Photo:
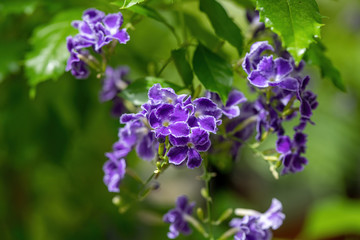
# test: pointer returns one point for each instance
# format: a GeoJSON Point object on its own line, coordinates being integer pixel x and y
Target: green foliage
{"type": "Point", "coordinates": [137, 91]}
{"type": "Point", "coordinates": [199, 31]}
{"type": "Point", "coordinates": [17, 7]}
{"type": "Point", "coordinates": [152, 13]}
{"type": "Point", "coordinates": [223, 25]}
{"type": "Point", "coordinates": [183, 66]}
{"type": "Point", "coordinates": [297, 22]}
{"type": "Point", "coordinates": [245, 3]}
{"type": "Point", "coordinates": [126, 3]}
{"type": "Point", "coordinates": [213, 72]}
{"type": "Point", "coordinates": [333, 217]}
{"type": "Point", "coordinates": [315, 55]}
{"type": "Point", "coordinates": [48, 56]}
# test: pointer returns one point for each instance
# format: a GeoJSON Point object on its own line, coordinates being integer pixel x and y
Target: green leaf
{"type": "Point", "coordinates": [223, 25]}
{"type": "Point", "coordinates": [245, 3]}
{"type": "Point", "coordinates": [183, 66]}
{"type": "Point", "coordinates": [126, 3]}
{"type": "Point", "coordinates": [297, 22]}
{"type": "Point", "coordinates": [332, 218]}
{"type": "Point", "coordinates": [152, 13]}
{"type": "Point", "coordinates": [315, 55]}
{"type": "Point", "coordinates": [137, 91]}
{"type": "Point", "coordinates": [199, 31]}
{"type": "Point", "coordinates": [213, 71]}
{"type": "Point", "coordinates": [48, 56]}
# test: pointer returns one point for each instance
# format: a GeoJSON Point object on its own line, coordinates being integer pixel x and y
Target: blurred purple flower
{"type": "Point", "coordinates": [176, 217]}
{"type": "Point", "coordinates": [258, 225]}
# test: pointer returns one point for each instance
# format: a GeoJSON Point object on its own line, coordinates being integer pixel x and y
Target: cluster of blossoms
{"type": "Point", "coordinates": [256, 226]}
{"type": "Point", "coordinates": [185, 123]}
{"type": "Point", "coordinates": [253, 226]}
{"type": "Point", "coordinates": [280, 85]}
{"type": "Point", "coordinates": [95, 30]}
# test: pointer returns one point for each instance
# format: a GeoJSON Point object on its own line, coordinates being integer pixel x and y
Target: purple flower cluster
{"type": "Point", "coordinates": [185, 123]}
{"type": "Point", "coordinates": [95, 30]}
{"type": "Point", "coordinates": [176, 217]}
{"type": "Point", "coordinates": [257, 226]}
{"type": "Point", "coordinates": [280, 85]}
{"type": "Point", "coordinates": [113, 83]}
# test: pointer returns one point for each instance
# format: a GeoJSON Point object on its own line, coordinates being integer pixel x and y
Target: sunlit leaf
{"type": "Point", "coordinates": [48, 55]}
{"type": "Point", "coordinates": [297, 22]}
{"type": "Point", "coordinates": [126, 3]}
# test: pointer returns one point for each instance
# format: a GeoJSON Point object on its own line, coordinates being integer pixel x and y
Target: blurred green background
{"type": "Point", "coordinates": [52, 147]}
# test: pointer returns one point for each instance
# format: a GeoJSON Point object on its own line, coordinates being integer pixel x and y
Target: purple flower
{"type": "Point", "coordinates": [188, 148]}
{"type": "Point", "coordinates": [96, 30]}
{"type": "Point", "coordinates": [78, 68]}
{"type": "Point", "coordinates": [206, 115]}
{"type": "Point", "coordinates": [271, 72]}
{"type": "Point", "coordinates": [257, 226]}
{"type": "Point", "coordinates": [113, 82]}
{"type": "Point", "coordinates": [230, 109]}
{"type": "Point", "coordinates": [158, 95]}
{"type": "Point", "coordinates": [136, 134]}
{"type": "Point", "coordinates": [114, 170]}
{"type": "Point", "coordinates": [169, 119]}
{"type": "Point", "coordinates": [177, 217]}
{"type": "Point", "coordinates": [291, 151]}
{"type": "Point", "coordinates": [307, 99]}
{"type": "Point", "coordinates": [253, 58]}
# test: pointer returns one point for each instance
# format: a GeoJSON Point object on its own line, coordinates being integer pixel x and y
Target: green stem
{"type": "Point", "coordinates": [195, 223]}
{"type": "Point", "coordinates": [228, 233]}
{"type": "Point", "coordinates": [207, 178]}
{"type": "Point", "coordinates": [164, 66]}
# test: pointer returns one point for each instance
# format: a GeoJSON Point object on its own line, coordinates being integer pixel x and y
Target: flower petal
{"type": "Point", "coordinates": [145, 148]}
{"type": "Point", "coordinates": [177, 155]}
{"type": "Point", "coordinates": [179, 129]}
{"type": "Point", "coordinates": [208, 123]}
{"type": "Point", "coordinates": [282, 66]}
{"type": "Point", "coordinates": [93, 15]}
{"type": "Point", "coordinates": [289, 83]}
{"type": "Point", "coordinates": [194, 158]}
{"type": "Point", "coordinates": [235, 97]}
{"type": "Point", "coordinates": [179, 141]}
{"type": "Point", "coordinates": [164, 112]}
{"type": "Point", "coordinates": [199, 136]}
{"type": "Point", "coordinates": [258, 80]}
{"type": "Point", "coordinates": [122, 36]}
{"type": "Point", "coordinates": [283, 144]}
{"type": "Point", "coordinates": [113, 22]}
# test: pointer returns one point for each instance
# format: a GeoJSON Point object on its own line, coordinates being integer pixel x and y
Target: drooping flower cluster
{"type": "Point", "coordinates": [280, 86]}
{"type": "Point", "coordinates": [257, 225]}
{"type": "Point", "coordinates": [95, 30]}
{"type": "Point", "coordinates": [177, 217]}
{"type": "Point", "coordinates": [184, 122]}
{"type": "Point", "coordinates": [113, 83]}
